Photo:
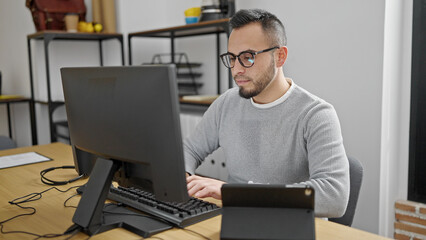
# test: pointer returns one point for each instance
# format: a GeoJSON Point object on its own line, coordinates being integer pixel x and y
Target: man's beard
{"type": "Point", "coordinates": [260, 84]}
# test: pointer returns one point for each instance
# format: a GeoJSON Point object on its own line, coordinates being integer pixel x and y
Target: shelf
{"type": "Point", "coordinates": [189, 84]}
{"type": "Point", "coordinates": [203, 102]}
{"type": "Point", "coordinates": [63, 35]}
{"type": "Point", "coordinates": [179, 65]}
{"type": "Point", "coordinates": [62, 123]}
{"type": "Point", "coordinates": [62, 130]}
{"type": "Point", "coordinates": [189, 75]}
{"type": "Point", "coordinates": [13, 98]}
{"type": "Point", "coordinates": [209, 98]}
{"type": "Point", "coordinates": [201, 28]}
{"type": "Point", "coordinates": [188, 65]}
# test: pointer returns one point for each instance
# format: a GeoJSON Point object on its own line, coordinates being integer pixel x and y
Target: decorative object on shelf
{"type": "Point", "coordinates": [50, 14]}
{"type": "Point", "coordinates": [210, 10]}
{"type": "Point", "coordinates": [89, 27]}
{"type": "Point", "coordinates": [192, 15]}
{"type": "Point", "coordinates": [217, 9]}
{"type": "Point", "coordinates": [71, 22]}
{"type": "Point", "coordinates": [103, 12]}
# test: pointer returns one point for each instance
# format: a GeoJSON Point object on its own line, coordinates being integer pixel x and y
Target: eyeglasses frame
{"type": "Point", "coordinates": [222, 56]}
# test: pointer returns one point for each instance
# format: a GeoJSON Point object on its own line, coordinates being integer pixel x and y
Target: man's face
{"type": "Point", "coordinates": [252, 81]}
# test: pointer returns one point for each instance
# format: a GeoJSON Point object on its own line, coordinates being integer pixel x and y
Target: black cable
{"type": "Point", "coordinates": [65, 203]}
{"type": "Point", "coordinates": [20, 215]}
{"type": "Point", "coordinates": [30, 198]}
{"type": "Point", "coordinates": [24, 232]}
{"type": "Point", "coordinates": [39, 195]}
{"type": "Point", "coordinates": [50, 182]}
{"type": "Point", "coordinates": [73, 234]}
{"type": "Point", "coordinates": [50, 235]}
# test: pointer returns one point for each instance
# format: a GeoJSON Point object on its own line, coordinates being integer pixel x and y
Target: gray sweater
{"type": "Point", "coordinates": [297, 140]}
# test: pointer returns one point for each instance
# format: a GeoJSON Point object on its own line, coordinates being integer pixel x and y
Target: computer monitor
{"type": "Point", "coordinates": [128, 117]}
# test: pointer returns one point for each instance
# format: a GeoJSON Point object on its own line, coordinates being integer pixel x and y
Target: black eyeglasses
{"type": "Point", "coordinates": [246, 58]}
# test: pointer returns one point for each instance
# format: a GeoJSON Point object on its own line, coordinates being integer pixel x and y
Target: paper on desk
{"type": "Point", "coordinates": [21, 159]}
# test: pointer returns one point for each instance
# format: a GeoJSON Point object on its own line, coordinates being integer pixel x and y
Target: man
{"type": "Point", "coordinates": [271, 130]}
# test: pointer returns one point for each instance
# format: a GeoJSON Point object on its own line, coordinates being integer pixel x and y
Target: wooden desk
{"type": "Point", "coordinates": [53, 217]}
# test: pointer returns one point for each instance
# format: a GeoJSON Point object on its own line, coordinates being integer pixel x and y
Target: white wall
{"type": "Point", "coordinates": [14, 65]}
{"type": "Point", "coordinates": [337, 50]}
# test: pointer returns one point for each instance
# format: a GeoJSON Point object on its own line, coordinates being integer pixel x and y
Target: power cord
{"type": "Point", "coordinates": [31, 198]}
{"type": "Point", "coordinates": [65, 203]}
{"type": "Point", "coordinates": [50, 182]}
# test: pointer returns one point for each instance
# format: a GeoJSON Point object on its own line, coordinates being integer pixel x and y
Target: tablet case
{"type": "Point", "coordinates": [258, 211]}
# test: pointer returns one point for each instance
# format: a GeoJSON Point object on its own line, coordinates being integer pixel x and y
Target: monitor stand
{"type": "Point", "coordinates": [93, 216]}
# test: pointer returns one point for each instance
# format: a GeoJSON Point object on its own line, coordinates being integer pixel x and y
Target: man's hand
{"type": "Point", "coordinates": [201, 187]}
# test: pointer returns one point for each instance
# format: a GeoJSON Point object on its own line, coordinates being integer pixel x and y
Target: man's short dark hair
{"type": "Point", "coordinates": [271, 25]}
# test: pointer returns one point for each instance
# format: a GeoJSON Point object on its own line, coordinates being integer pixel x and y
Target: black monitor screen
{"type": "Point", "coordinates": [129, 115]}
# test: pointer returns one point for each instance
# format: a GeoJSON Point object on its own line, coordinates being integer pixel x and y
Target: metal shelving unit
{"type": "Point", "coordinates": [49, 36]}
{"type": "Point", "coordinates": [185, 72]}
{"type": "Point", "coordinates": [215, 27]}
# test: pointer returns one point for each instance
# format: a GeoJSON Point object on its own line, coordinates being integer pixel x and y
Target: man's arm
{"type": "Point", "coordinates": [204, 139]}
{"type": "Point", "coordinates": [328, 163]}
{"type": "Point", "coordinates": [202, 142]}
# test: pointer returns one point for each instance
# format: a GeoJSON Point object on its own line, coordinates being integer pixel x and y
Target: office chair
{"type": "Point", "coordinates": [6, 143]}
{"type": "Point", "coordinates": [355, 177]}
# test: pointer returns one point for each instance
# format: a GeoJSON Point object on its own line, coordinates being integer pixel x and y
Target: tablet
{"type": "Point", "coordinates": [259, 211]}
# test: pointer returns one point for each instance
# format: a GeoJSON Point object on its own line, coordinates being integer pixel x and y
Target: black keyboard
{"type": "Point", "coordinates": [179, 214]}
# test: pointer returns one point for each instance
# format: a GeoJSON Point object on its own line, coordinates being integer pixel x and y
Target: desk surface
{"type": "Point", "coordinates": [53, 217]}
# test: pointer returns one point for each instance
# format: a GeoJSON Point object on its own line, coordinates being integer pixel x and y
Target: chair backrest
{"type": "Point", "coordinates": [6, 143]}
{"type": "Point", "coordinates": [355, 176]}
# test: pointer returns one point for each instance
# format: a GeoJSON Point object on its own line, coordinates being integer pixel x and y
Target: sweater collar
{"type": "Point", "coordinates": [279, 100]}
